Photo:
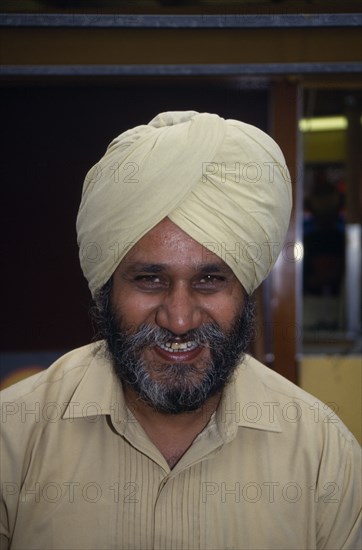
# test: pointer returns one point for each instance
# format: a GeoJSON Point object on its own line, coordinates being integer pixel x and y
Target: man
{"type": "Point", "coordinates": [166, 434]}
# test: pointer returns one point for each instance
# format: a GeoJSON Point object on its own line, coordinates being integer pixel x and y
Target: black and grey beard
{"type": "Point", "coordinates": [176, 387]}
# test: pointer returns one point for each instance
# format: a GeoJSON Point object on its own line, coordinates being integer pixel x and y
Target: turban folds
{"type": "Point", "coordinates": [223, 182]}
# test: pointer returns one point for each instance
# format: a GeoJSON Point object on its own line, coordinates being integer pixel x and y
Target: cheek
{"type": "Point", "coordinates": [224, 307]}
{"type": "Point", "coordinates": [224, 311]}
{"type": "Point", "coordinates": [135, 309]}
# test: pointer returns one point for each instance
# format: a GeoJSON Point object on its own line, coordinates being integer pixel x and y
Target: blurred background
{"type": "Point", "coordinates": [76, 74]}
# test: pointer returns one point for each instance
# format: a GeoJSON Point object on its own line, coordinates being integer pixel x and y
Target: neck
{"type": "Point", "coordinates": [171, 434]}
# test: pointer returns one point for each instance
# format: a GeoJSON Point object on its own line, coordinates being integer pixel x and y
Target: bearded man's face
{"type": "Point", "coordinates": [176, 320]}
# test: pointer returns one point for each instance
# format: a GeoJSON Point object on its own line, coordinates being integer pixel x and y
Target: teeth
{"type": "Point", "coordinates": [179, 346]}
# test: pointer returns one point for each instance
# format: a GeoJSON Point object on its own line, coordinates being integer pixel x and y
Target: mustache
{"type": "Point", "coordinates": [209, 335]}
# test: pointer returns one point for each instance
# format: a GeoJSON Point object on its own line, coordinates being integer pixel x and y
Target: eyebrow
{"type": "Point", "coordinates": [213, 268]}
{"type": "Point", "coordinates": [201, 268]}
{"type": "Point", "coordinates": [150, 268]}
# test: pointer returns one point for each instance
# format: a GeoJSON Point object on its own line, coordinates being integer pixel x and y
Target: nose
{"type": "Point", "coordinates": [179, 311]}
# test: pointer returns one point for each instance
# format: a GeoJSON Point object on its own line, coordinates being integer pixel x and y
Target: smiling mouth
{"type": "Point", "coordinates": [179, 347]}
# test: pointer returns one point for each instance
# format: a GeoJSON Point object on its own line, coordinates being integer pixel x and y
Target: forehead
{"type": "Point", "coordinates": [167, 244]}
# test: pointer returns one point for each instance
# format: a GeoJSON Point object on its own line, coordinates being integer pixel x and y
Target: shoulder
{"type": "Point", "coordinates": [311, 435]}
{"type": "Point", "coordinates": [309, 443]}
{"type": "Point", "coordinates": [296, 409]}
{"type": "Point", "coordinates": [60, 377]}
{"type": "Point", "coordinates": [33, 410]}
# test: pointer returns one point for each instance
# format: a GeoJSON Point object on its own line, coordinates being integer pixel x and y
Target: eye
{"type": "Point", "coordinates": [210, 282]}
{"type": "Point", "coordinates": [210, 278]}
{"type": "Point", "coordinates": [150, 282]}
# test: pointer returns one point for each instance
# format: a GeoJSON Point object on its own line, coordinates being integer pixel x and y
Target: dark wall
{"type": "Point", "coordinates": [52, 134]}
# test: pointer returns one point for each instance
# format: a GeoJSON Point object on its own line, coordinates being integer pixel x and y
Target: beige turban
{"type": "Point", "coordinates": [223, 182]}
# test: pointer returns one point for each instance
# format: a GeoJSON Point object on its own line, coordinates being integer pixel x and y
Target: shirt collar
{"type": "Point", "coordinates": [246, 402]}
{"type": "Point", "coordinates": [99, 391]}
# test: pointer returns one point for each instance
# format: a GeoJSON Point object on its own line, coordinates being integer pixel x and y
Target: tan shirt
{"type": "Point", "coordinates": [273, 469]}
